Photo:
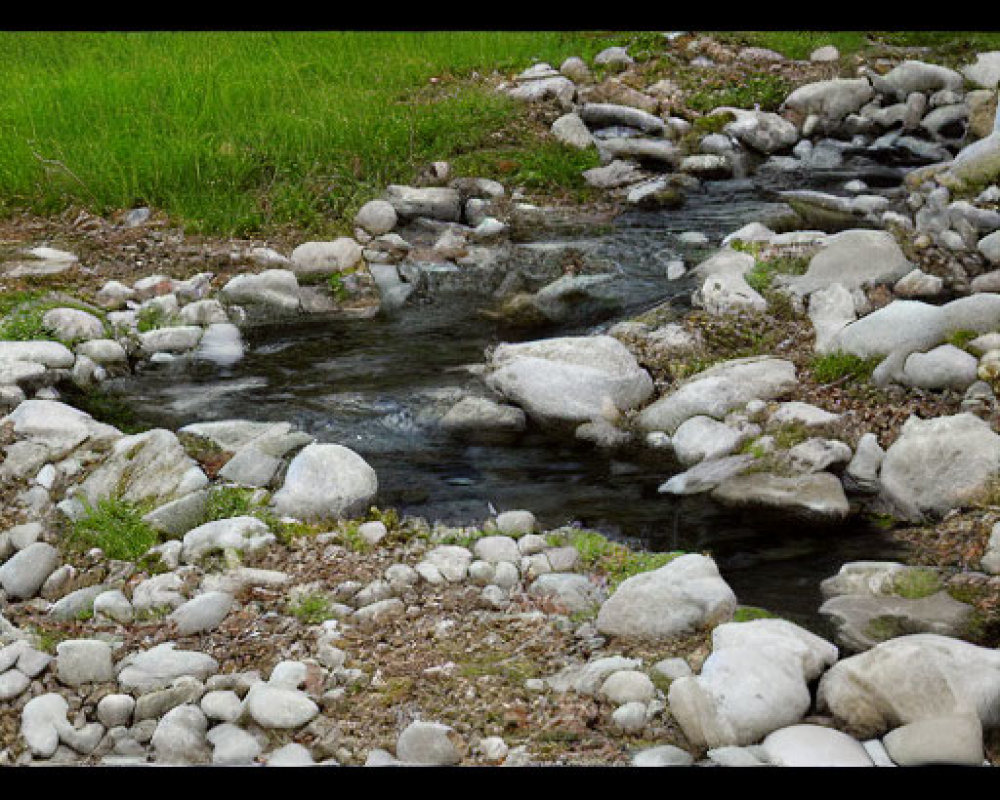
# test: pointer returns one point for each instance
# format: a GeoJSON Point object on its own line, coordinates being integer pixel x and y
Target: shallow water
{"type": "Point", "coordinates": [376, 386]}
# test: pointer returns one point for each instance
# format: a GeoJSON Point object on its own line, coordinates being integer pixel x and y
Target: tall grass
{"type": "Point", "coordinates": [237, 131]}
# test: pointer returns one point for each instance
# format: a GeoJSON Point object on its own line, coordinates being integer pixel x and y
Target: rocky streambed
{"type": "Point", "coordinates": [748, 383]}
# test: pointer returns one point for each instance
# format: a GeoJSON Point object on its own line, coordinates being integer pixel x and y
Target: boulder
{"type": "Point", "coordinates": [435, 202]}
{"type": "Point", "coordinates": [718, 390]}
{"type": "Point", "coordinates": [684, 595]}
{"type": "Point", "coordinates": [814, 746]}
{"type": "Point", "coordinates": [326, 481]}
{"type": "Point", "coordinates": [912, 678]}
{"type": "Point", "coordinates": [939, 464]}
{"type": "Point", "coordinates": [815, 497]}
{"type": "Point", "coordinates": [853, 259]}
{"type": "Point", "coordinates": [569, 379]}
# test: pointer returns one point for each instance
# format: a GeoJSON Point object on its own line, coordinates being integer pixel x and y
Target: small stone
{"type": "Point", "coordinates": [429, 743]}
{"type": "Point", "coordinates": [84, 661]}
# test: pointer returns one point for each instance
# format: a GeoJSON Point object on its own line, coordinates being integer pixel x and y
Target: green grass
{"type": "Point", "coordinates": [117, 527]}
{"type": "Point", "coordinates": [234, 132]}
{"type": "Point", "coordinates": [312, 609]}
{"type": "Point", "coordinates": [834, 366]}
{"type": "Point", "coordinates": [762, 275]}
{"type": "Point", "coordinates": [798, 44]}
{"type": "Point", "coordinates": [748, 613]}
{"type": "Point", "coordinates": [765, 89]}
{"type": "Point", "coordinates": [961, 338]}
{"type": "Point", "coordinates": [616, 561]}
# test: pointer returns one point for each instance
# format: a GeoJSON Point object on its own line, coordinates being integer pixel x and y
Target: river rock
{"type": "Point", "coordinates": [939, 464]}
{"type": "Point", "coordinates": [706, 475]}
{"type": "Point", "coordinates": [830, 311]}
{"type": "Point", "coordinates": [428, 743]}
{"type": "Point", "coordinates": [275, 706]}
{"type": "Point", "coordinates": [235, 533]}
{"type": "Point", "coordinates": [83, 661]}
{"type": "Point", "coordinates": [23, 574]}
{"type": "Point", "coordinates": [202, 613]}
{"type": "Point", "coordinates": [376, 217]}
{"type": "Point", "coordinates": [603, 115]}
{"type": "Point", "coordinates": [944, 367]}
{"type": "Point", "coordinates": [569, 379]}
{"type": "Point", "coordinates": [830, 100]}
{"type": "Point", "coordinates": [571, 130]}
{"type": "Point", "coordinates": [953, 739]}
{"type": "Point", "coordinates": [157, 667]}
{"type": "Point", "coordinates": [862, 471]}
{"type": "Point", "coordinates": [912, 678]}
{"type": "Point", "coordinates": [326, 481]}
{"type": "Point", "coordinates": [814, 746]}
{"type": "Point", "coordinates": [221, 344]}
{"type": "Point", "coordinates": [150, 466]}
{"type": "Point", "coordinates": [72, 324]}
{"type": "Point", "coordinates": [853, 258]}
{"type": "Point", "coordinates": [816, 497]}
{"type": "Point", "coordinates": [573, 591]}
{"type": "Point", "coordinates": [718, 390]}
{"type": "Point", "coordinates": [472, 416]}
{"type": "Point", "coordinates": [762, 131]}
{"type": "Point", "coordinates": [684, 595]}
{"type": "Point", "coordinates": [324, 258]}
{"type": "Point", "coordinates": [917, 76]}
{"type": "Point", "coordinates": [703, 438]}
{"type": "Point", "coordinates": [178, 339]}
{"type": "Point", "coordinates": [180, 737]}
{"type": "Point", "coordinates": [558, 88]}
{"type": "Point", "coordinates": [433, 201]}
{"type": "Point", "coordinates": [976, 165]}
{"type": "Point", "coordinates": [42, 720]}
{"type": "Point", "coordinates": [233, 746]}
{"type": "Point", "coordinates": [989, 246]}
{"type": "Point", "coordinates": [613, 175]}
{"type": "Point", "coordinates": [273, 288]}
{"type": "Point", "coordinates": [905, 325]}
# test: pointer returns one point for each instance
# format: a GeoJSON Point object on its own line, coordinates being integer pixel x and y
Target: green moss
{"type": "Point", "coordinates": [916, 582]}
{"type": "Point", "coordinates": [961, 338]}
{"type": "Point", "coordinates": [225, 502]}
{"type": "Point", "coordinates": [834, 366]}
{"type": "Point", "coordinates": [789, 434]}
{"type": "Point", "coordinates": [116, 526]}
{"type": "Point", "coordinates": [150, 318]}
{"type": "Point", "coordinates": [748, 613]}
{"type": "Point", "coordinates": [886, 627]}
{"type": "Point", "coordinates": [337, 287]}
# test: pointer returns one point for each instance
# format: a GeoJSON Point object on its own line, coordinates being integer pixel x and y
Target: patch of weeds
{"type": "Point", "coordinates": [753, 448]}
{"type": "Point", "coordinates": [117, 527]}
{"type": "Point", "coordinates": [790, 434]}
{"type": "Point", "coordinates": [24, 324]}
{"type": "Point", "coordinates": [763, 89]}
{"type": "Point", "coordinates": [287, 532]}
{"type": "Point", "coordinates": [762, 275]}
{"type": "Point", "coordinates": [989, 495]}
{"type": "Point", "coordinates": [150, 318]}
{"type": "Point", "coordinates": [312, 609]}
{"type": "Point", "coordinates": [517, 670]}
{"type": "Point", "coordinates": [461, 538]}
{"type": "Point", "coordinates": [48, 640]}
{"type": "Point", "coordinates": [916, 583]}
{"type": "Point", "coordinates": [748, 613]}
{"type": "Point", "coordinates": [352, 539]}
{"type": "Point", "coordinates": [388, 517]}
{"type": "Point", "coordinates": [883, 522]}
{"type": "Point", "coordinates": [702, 127]}
{"type": "Point", "coordinates": [152, 564]}
{"type": "Point", "coordinates": [961, 338]}
{"type": "Point", "coordinates": [616, 561]}
{"type": "Point", "coordinates": [337, 287]}
{"type": "Point", "coordinates": [225, 502]}
{"type": "Point", "coordinates": [395, 691]}
{"type": "Point", "coordinates": [834, 366]}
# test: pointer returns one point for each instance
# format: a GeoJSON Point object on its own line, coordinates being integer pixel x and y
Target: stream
{"type": "Point", "coordinates": [376, 386]}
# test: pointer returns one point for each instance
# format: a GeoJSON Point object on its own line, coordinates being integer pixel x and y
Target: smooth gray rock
{"type": "Point", "coordinates": [703, 438]}
{"type": "Point", "coordinates": [939, 464]}
{"type": "Point", "coordinates": [427, 743]}
{"type": "Point", "coordinates": [853, 258]}
{"type": "Point", "coordinates": [944, 367]}
{"type": "Point", "coordinates": [911, 678]}
{"type": "Point", "coordinates": [953, 739]}
{"type": "Point", "coordinates": [235, 533]}
{"type": "Point", "coordinates": [814, 746]}
{"type": "Point", "coordinates": [80, 661]}
{"type": "Point", "coordinates": [684, 595]}
{"type": "Point", "coordinates": [575, 592]}
{"type": "Point", "coordinates": [23, 574]}
{"type": "Point", "coordinates": [434, 202]}
{"type": "Point", "coordinates": [157, 667]}
{"type": "Point", "coordinates": [201, 613]}
{"type": "Point", "coordinates": [326, 481]}
{"type": "Point", "coordinates": [180, 737]}
{"type": "Point", "coordinates": [233, 746]}
{"type": "Point", "coordinates": [571, 130]}
{"type": "Point", "coordinates": [376, 217]}
{"type": "Point", "coordinates": [816, 497]}
{"type": "Point", "coordinates": [276, 289]}
{"type": "Point", "coordinates": [324, 258]}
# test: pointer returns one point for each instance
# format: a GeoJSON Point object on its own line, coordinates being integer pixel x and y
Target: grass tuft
{"type": "Point", "coordinates": [115, 526]}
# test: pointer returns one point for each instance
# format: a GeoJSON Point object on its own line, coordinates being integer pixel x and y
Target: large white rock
{"type": "Point", "coordinates": [985, 71]}
{"type": "Point", "coordinates": [323, 258]}
{"type": "Point", "coordinates": [571, 130]}
{"type": "Point", "coordinates": [955, 739]}
{"type": "Point", "coordinates": [831, 100]}
{"type": "Point", "coordinates": [81, 661]}
{"type": "Point", "coordinates": [939, 464]}
{"type": "Point", "coordinates": [813, 497]}
{"type": "Point", "coordinates": [376, 217]}
{"type": "Point", "coordinates": [569, 379]}
{"type": "Point", "coordinates": [276, 288]}
{"type": "Point", "coordinates": [814, 746]}
{"type": "Point", "coordinates": [685, 595]}
{"type": "Point", "coordinates": [830, 311]}
{"type": "Point", "coordinates": [157, 667]}
{"type": "Point", "coordinates": [150, 466]}
{"type": "Point", "coordinates": [902, 325]}
{"type": "Point", "coordinates": [72, 324]}
{"type": "Point", "coordinates": [719, 390]}
{"type": "Point", "coordinates": [754, 682]}
{"type": "Point", "coordinates": [912, 678]}
{"type": "Point", "coordinates": [433, 201]}
{"type": "Point", "coordinates": [917, 76]}
{"type": "Point", "coordinates": [944, 367]}
{"type": "Point", "coordinates": [23, 574]}
{"type": "Point", "coordinates": [326, 481]}
{"type": "Point", "coordinates": [701, 438]}
{"type": "Point", "coordinates": [853, 258]}
{"type": "Point", "coordinates": [54, 355]}
{"type": "Point", "coordinates": [234, 533]}
{"type": "Point", "coordinates": [428, 743]}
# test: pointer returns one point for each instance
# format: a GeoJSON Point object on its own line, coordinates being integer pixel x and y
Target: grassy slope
{"type": "Point", "coordinates": [238, 131]}
{"type": "Point", "coordinates": [243, 132]}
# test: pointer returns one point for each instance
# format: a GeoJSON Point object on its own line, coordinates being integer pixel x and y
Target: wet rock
{"type": "Point", "coordinates": [816, 497]}
{"type": "Point", "coordinates": [473, 416]}
{"type": "Point", "coordinates": [276, 289]}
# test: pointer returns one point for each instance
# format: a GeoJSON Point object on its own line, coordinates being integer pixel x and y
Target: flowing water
{"type": "Point", "coordinates": [376, 385]}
